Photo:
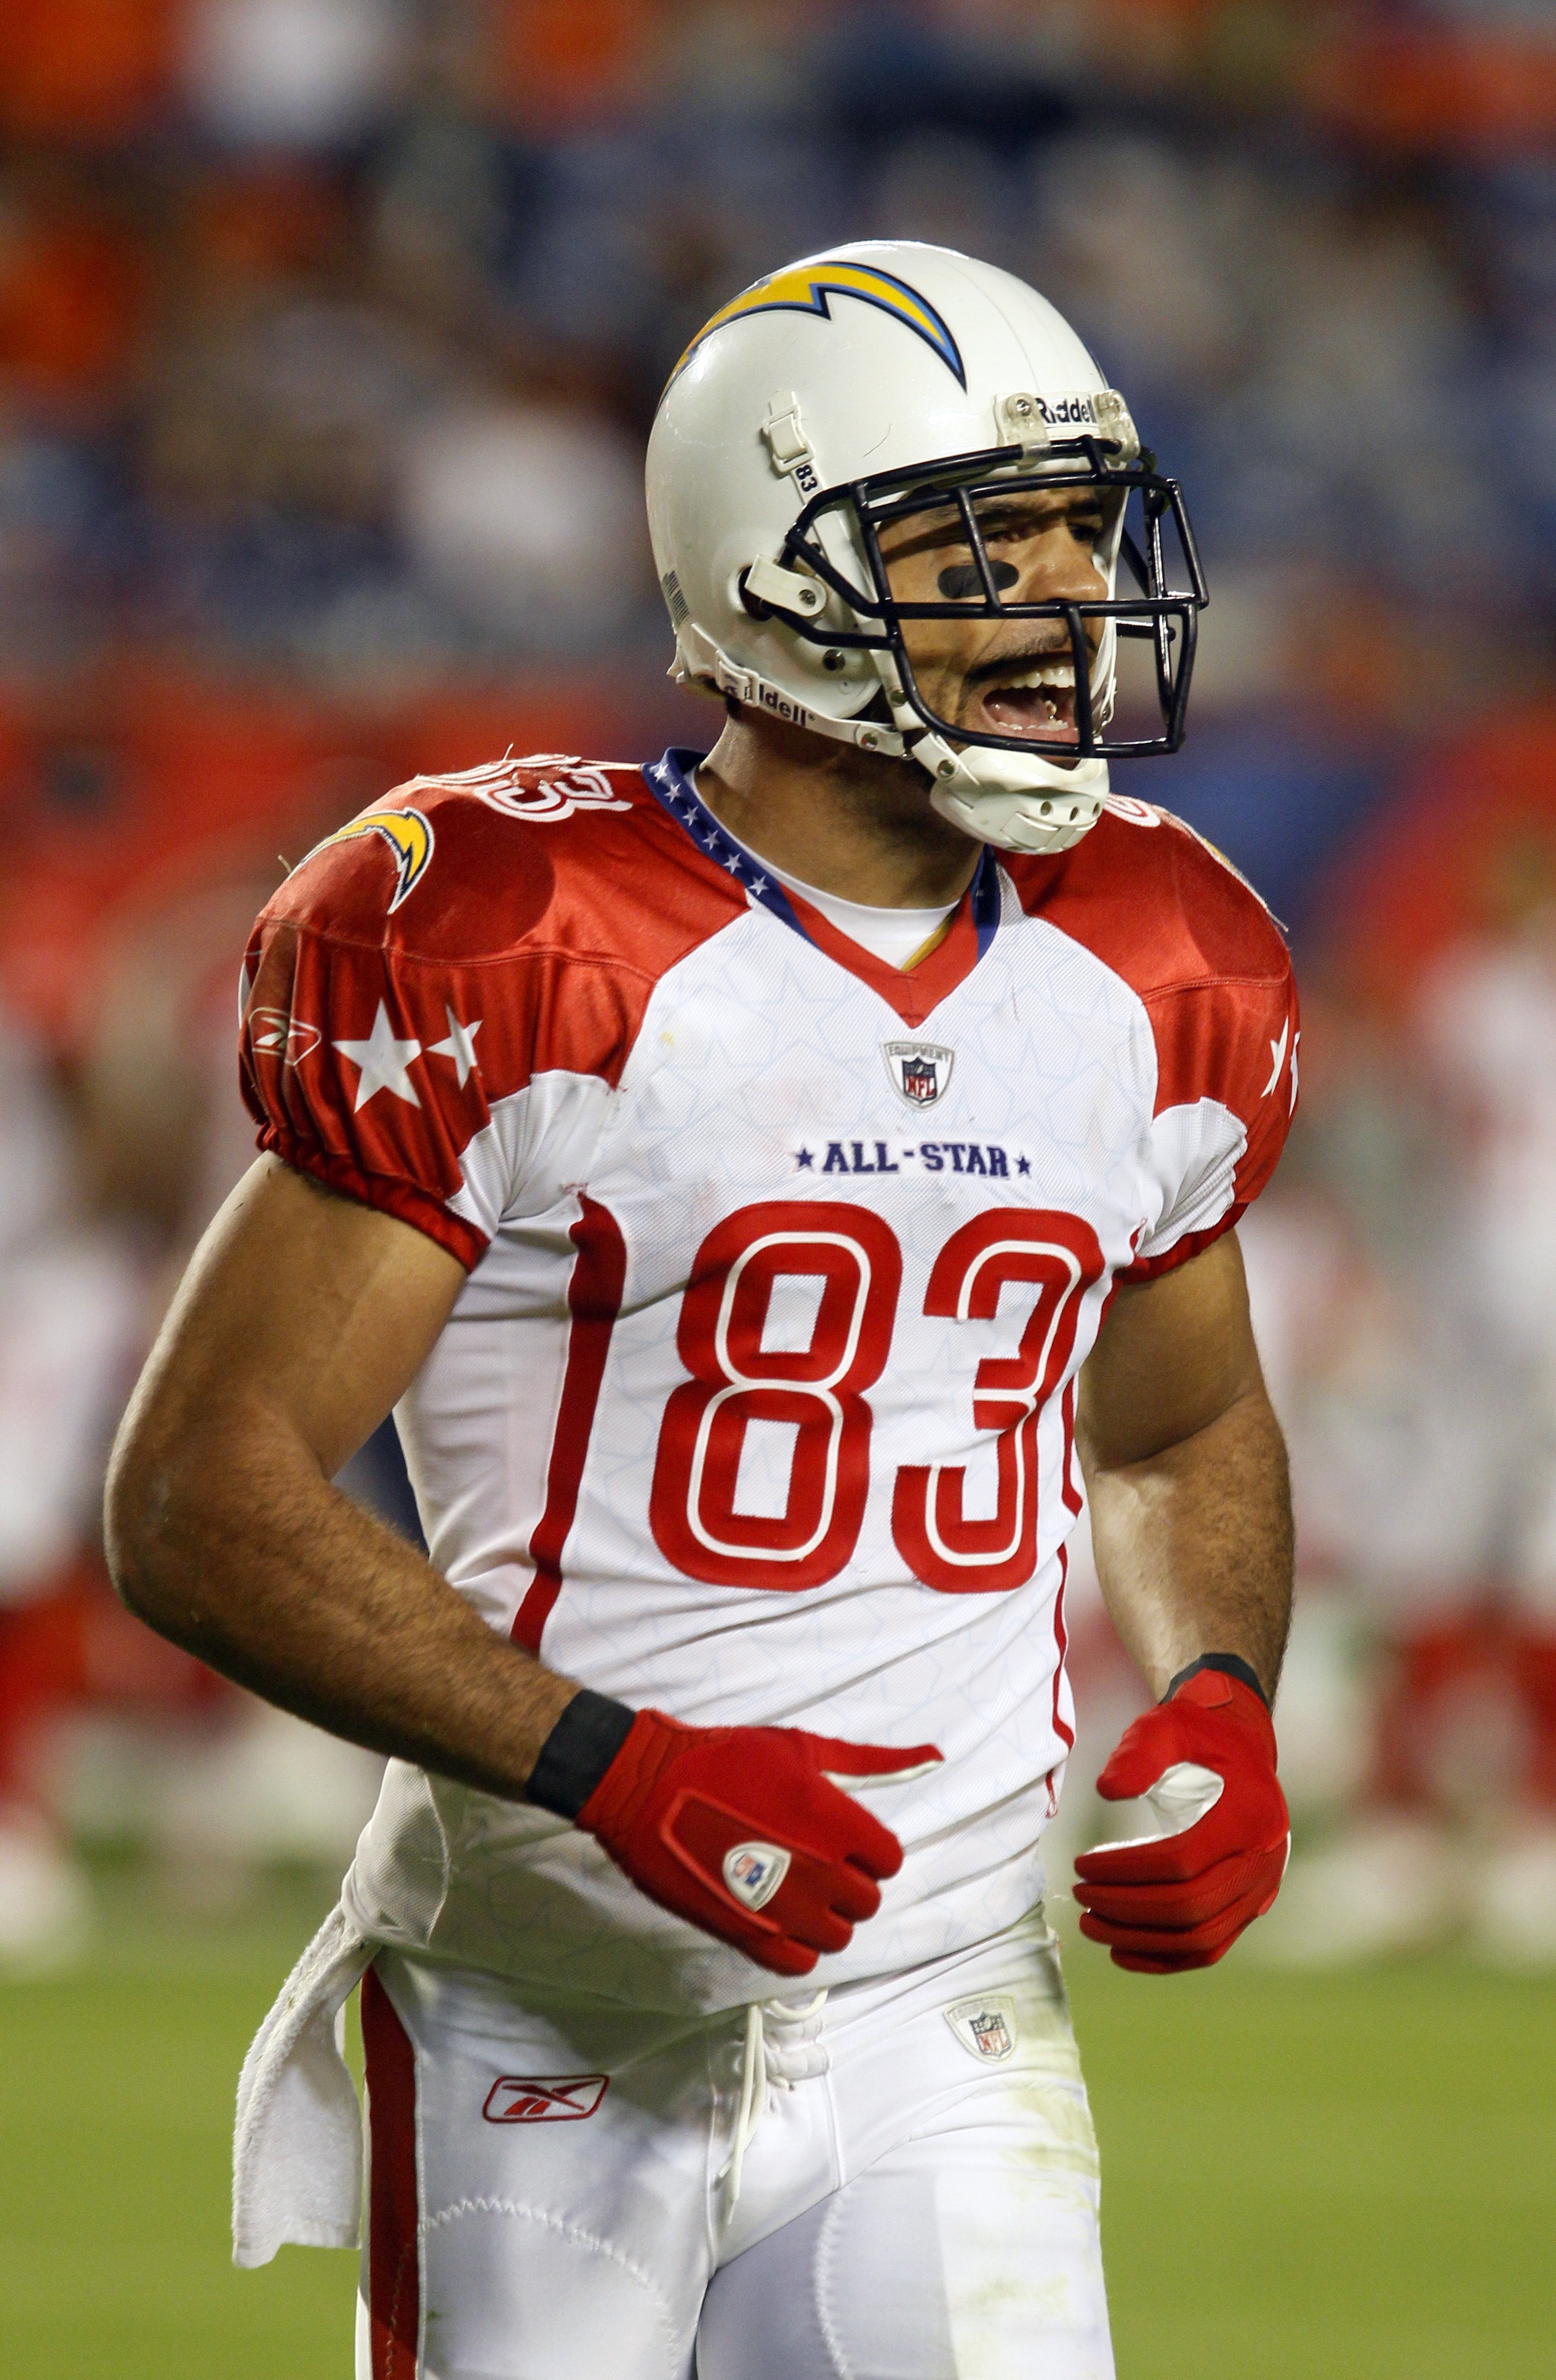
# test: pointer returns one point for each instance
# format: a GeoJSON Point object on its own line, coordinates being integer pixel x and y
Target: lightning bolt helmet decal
{"type": "Point", "coordinates": [804, 289]}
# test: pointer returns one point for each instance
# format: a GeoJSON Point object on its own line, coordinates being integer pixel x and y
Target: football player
{"type": "Point", "coordinates": [763, 1185]}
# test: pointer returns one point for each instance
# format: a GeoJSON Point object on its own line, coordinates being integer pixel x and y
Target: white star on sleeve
{"type": "Point", "coordinates": [1278, 1059]}
{"type": "Point", "coordinates": [382, 1060]}
{"type": "Point", "coordinates": [460, 1045]}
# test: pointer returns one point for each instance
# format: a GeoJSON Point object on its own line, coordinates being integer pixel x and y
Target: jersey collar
{"type": "Point", "coordinates": [911, 994]}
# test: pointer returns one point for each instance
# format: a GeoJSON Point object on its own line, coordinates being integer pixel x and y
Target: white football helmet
{"type": "Point", "coordinates": [861, 386]}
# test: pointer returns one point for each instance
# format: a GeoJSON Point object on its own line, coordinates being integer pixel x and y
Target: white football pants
{"type": "Point", "coordinates": [893, 2181]}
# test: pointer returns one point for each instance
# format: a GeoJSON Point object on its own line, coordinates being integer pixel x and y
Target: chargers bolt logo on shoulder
{"type": "Point", "coordinates": [406, 832]}
{"type": "Point", "coordinates": [804, 289]}
{"type": "Point", "coordinates": [754, 1872]}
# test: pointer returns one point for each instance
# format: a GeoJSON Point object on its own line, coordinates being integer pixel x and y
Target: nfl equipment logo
{"type": "Point", "coordinates": [991, 2033]}
{"type": "Point", "coordinates": [754, 1872]}
{"type": "Point", "coordinates": [987, 2026]}
{"type": "Point", "coordinates": [920, 1071]}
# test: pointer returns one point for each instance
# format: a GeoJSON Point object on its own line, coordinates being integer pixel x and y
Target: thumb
{"type": "Point", "coordinates": [1140, 1758]}
{"type": "Point", "coordinates": [844, 1764]}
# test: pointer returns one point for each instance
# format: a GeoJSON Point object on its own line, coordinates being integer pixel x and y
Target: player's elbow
{"type": "Point", "coordinates": [152, 1511]}
{"type": "Point", "coordinates": [135, 1499]}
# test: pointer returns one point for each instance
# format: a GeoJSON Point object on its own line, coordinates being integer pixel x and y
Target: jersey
{"type": "Point", "coordinates": [758, 1402]}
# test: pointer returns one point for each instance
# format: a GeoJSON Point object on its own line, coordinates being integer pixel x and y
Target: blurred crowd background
{"type": "Point", "coordinates": [329, 333]}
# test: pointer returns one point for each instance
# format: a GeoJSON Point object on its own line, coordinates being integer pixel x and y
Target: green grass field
{"type": "Point", "coordinates": [1340, 2176]}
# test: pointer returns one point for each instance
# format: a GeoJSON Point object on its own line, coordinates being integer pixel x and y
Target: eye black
{"type": "Point", "coordinates": [960, 579]}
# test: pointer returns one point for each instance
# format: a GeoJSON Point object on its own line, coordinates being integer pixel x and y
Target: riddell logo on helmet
{"type": "Point", "coordinates": [771, 699]}
{"type": "Point", "coordinates": [1059, 410]}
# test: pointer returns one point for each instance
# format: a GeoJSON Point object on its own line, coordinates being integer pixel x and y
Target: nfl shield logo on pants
{"type": "Point", "coordinates": [986, 2027]}
{"type": "Point", "coordinates": [920, 1071]}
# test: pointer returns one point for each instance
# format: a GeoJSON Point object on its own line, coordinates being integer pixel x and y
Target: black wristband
{"type": "Point", "coordinates": [577, 1751]}
{"type": "Point", "coordinates": [1231, 1665]}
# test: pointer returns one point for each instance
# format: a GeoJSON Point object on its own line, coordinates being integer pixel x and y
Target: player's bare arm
{"type": "Point", "coordinates": [302, 1321]}
{"type": "Point", "coordinates": [1185, 1472]}
{"type": "Point", "coordinates": [1191, 1520]}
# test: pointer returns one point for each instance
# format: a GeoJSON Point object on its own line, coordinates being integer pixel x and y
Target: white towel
{"type": "Point", "coordinates": [297, 2168]}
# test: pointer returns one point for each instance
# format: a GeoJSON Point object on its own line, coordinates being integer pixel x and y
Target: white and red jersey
{"type": "Point", "coordinates": [758, 1403]}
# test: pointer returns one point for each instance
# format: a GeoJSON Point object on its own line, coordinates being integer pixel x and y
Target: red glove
{"type": "Point", "coordinates": [741, 1830]}
{"type": "Point", "coordinates": [1170, 1901]}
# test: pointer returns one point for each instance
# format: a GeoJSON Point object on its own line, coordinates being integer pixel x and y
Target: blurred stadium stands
{"type": "Point", "coordinates": [330, 330]}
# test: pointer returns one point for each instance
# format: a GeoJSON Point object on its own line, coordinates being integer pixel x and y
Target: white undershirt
{"type": "Point", "coordinates": [894, 935]}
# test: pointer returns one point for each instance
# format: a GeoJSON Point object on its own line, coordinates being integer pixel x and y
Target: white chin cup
{"type": "Point", "coordinates": [1018, 802]}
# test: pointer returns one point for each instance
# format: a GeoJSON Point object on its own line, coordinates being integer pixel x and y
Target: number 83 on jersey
{"type": "Point", "coordinates": [845, 1264]}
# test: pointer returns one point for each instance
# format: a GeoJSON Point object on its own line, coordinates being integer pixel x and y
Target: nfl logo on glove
{"type": "Point", "coordinates": [754, 1872]}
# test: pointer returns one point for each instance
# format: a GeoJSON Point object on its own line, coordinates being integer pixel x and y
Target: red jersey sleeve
{"type": "Point", "coordinates": [395, 1009]}
{"type": "Point", "coordinates": [1176, 921]}
{"type": "Point", "coordinates": [359, 1067]}
{"type": "Point", "coordinates": [1226, 1090]}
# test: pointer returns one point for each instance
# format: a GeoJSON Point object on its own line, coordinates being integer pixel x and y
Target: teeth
{"type": "Point", "coordinates": [1046, 673]}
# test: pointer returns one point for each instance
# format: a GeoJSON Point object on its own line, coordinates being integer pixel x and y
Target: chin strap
{"type": "Point", "coordinates": [1020, 804]}
{"type": "Point", "coordinates": [1015, 800]}
{"type": "Point", "coordinates": [699, 662]}
{"type": "Point", "coordinates": [1018, 801]}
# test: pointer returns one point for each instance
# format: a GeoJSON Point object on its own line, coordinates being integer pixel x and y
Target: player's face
{"type": "Point", "coordinates": [1002, 678]}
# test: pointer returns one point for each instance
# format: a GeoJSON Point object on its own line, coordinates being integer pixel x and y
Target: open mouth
{"type": "Point", "coordinates": [1036, 702]}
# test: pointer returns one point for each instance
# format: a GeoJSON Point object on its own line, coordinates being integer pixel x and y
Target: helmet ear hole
{"type": "Point", "coordinates": [751, 603]}
{"type": "Point", "coordinates": [768, 584]}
